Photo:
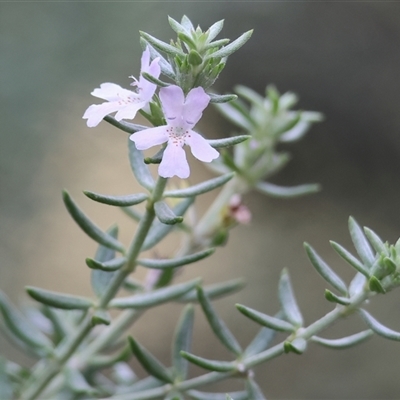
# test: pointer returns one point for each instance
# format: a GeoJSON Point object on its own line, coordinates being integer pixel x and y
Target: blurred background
{"type": "Point", "coordinates": [342, 59]}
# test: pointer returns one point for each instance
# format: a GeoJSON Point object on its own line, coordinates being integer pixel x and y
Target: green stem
{"type": "Point", "coordinates": [43, 377]}
{"type": "Point", "coordinates": [110, 334]}
{"type": "Point", "coordinates": [48, 372]}
{"type": "Point", "coordinates": [250, 362]}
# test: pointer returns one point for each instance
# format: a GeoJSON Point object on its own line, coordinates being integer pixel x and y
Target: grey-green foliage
{"type": "Point", "coordinates": [194, 58]}
{"type": "Point", "coordinates": [270, 120]}
{"type": "Point", "coordinates": [80, 343]}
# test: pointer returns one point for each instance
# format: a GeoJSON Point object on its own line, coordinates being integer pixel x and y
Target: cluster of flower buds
{"type": "Point", "coordinates": [193, 63]}
{"type": "Point", "coordinates": [270, 121]}
{"type": "Point", "coordinates": [194, 59]}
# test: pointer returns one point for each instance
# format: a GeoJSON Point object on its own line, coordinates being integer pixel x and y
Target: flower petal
{"type": "Point", "coordinates": [174, 162]}
{"type": "Point", "coordinates": [145, 60]}
{"type": "Point", "coordinates": [196, 101]}
{"type": "Point", "coordinates": [200, 147]}
{"type": "Point", "coordinates": [128, 111]}
{"type": "Point", "coordinates": [96, 112]}
{"type": "Point", "coordinates": [147, 89]}
{"type": "Point", "coordinates": [172, 99]}
{"type": "Point", "coordinates": [111, 92]}
{"type": "Point", "coordinates": [149, 137]}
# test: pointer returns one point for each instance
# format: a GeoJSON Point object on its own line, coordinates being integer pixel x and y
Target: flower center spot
{"type": "Point", "coordinates": [177, 135]}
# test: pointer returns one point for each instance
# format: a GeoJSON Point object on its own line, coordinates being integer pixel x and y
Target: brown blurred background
{"type": "Point", "coordinates": [341, 58]}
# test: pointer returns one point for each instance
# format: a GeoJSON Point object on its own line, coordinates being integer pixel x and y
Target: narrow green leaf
{"type": "Point", "coordinates": [133, 285]}
{"type": "Point", "coordinates": [139, 168]}
{"type": "Point", "coordinates": [232, 114]}
{"type": "Point", "coordinates": [159, 230]}
{"type": "Point", "coordinates": [76, 381]}
{"type": "Point", "coordinates": [346, 342]}
{"type": "Point", "coordinates": [108, 266]}
{"type": "Point", "coordinates": [190, 45]}
{"type": "Point", "coordinates": [149, 362]}
{"type": "Point", "coordinates": [211, 365]}
{"type": "Point", "coordinates": [289, 125]}
{"type": "Point", "coordinates": [187, 23]}
{"type": "Point", "coordinates": [14, 370]}
{"type": "Point", "coordinates": [165, 214]}
{"type": "Point", "coordinates": [157, 158]}
{"type": "Point", "coordinates": [226, 142]}
{"type": "Point", "coordinates": [101, 317]}
{"type": "Point", "coordinates": [120, 201]}
{"type": "Point", "coordinates": [162, 46]}
{"type": "Point", "coordinates": [357, 284]}
{"type": "Point", "coordinates": [31, 351]}
{"type": "Point", "coordinates": [287, 192]}
{"type": "Point", "coordinates": [101, 279]}
{"type": "Point", "coordinates": [197, 395]}
{"type": "Point", "coordinates": [61, 326]}
{"type": "Point", "coordinates": [295, 133]}
{"type": "Point", "coordinates": [174, 395]}
{"type": "Point", "coordinates": [297, 346]}
{"type": "Point", "coordinates": [229, 161]}
{"type": "Point", "coordinates": [165, 277]}
{"type": "Point", "coordinates": [266, 320]}
{"type": "Point", "coordinates": [182, 342]}
{"type": "Point", "coordinates": [232, 47]}
{"type": "Point", "coordinates": [325, 270]}
{"type": "Point", "coordinates": [166, 68]}
{"type": "Point", "coordinates": [217, 325]}
{"type": "Point", "coordinates": [175, 262]}
{"type": "Point", "coordinates": [194, 58]}
{"type": "Point", "coordinates": [106, 361]}
{"type": "Point", "coordinates": [89, 227]}
{"type": "Point", "coordinates": [390, 265]}
{"type": "Point", "coordinates": [176, 26]}
{"type": "Point", "coordinates": [375, 285]}
{"type": "Point", "coordinates": [154, 297]}
{"type": "Point", "coordinates": [250, 95]}
{"type": "Point", "coordinates": [154, 80]}
{"type": "Point", "coordinates": [349, 258]}
{"type": "Point", "coordinates": [216, 43]}
{"type": "Point", "coordinates": [215, 290]}
{"type": "Point", "coordinates": [361, 243]}
{"type": "Point", "coordinates": [57, 300]}
{"type": "Point", "coordinates": [6, 388]}
{"type": "Point", "coordinates": [132, 213]}
{"type": "Point", "coordinates": [123, 374]}
{"type": "Point", "coordinates": [21, 327]}
{"type": "Point", "coordinates": [273, 96]}
{"type": "Point", "coordinates": [147, 383]}
{"type": "Point", "coordinates": [214, 30]}
{"type": "Point", "coordinates": [375, 241]}
{"type": "Point", "coordinates": [288, 301]}
{"type": "Point", "coordinates": [200, 188]}
{"type": "Point", "coordinates": [336, 299]}
{"type": "Point", "coordinates": [221, 98]}
{"type": "Point", "coordinates": [378, 328]}
{"type": "Point", "coordinates": [253, 390]}
{"type": "Point", "coordinates": [123, 125]}
{"type": "Point", "coordinates": [260, 342]}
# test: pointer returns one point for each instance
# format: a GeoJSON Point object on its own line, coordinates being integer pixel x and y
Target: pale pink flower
{"type": "Point", "coordinates": [181, 115]}
{"type": "Point", "coordinates": [126, 102]}
{"type": "Point", "coordinates": [238, 211]}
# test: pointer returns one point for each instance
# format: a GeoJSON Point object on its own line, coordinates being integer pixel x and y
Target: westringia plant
{"type": "Point", "coordinates": [83, 352]}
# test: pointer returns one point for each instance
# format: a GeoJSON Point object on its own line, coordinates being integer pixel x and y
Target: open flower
{"type": "Point", "coordinates": [125, 102]}
{"type": "Point", "coordinates": [181, 115]}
